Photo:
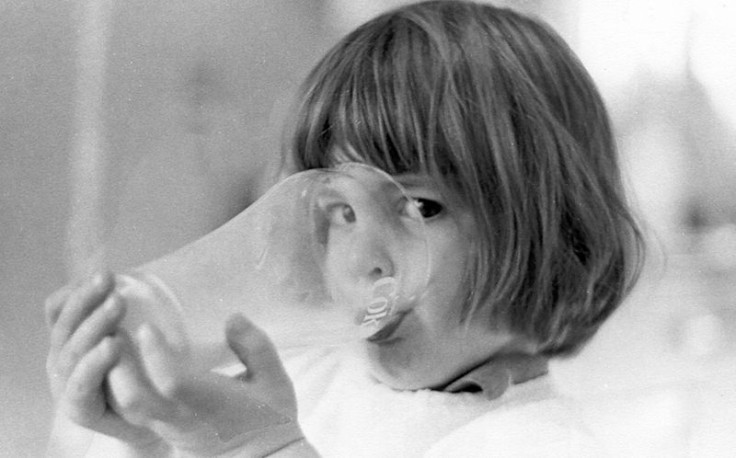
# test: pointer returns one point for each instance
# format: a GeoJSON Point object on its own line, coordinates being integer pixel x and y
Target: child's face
{"type": "Point", "coordinates": [429, 345]}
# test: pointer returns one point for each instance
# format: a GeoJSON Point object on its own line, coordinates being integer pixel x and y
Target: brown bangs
{"type": "Point", "coordinates": [374, 104]}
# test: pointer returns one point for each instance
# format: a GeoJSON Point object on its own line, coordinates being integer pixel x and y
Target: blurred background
{"type": "Point", "coordinates": [130, 128]}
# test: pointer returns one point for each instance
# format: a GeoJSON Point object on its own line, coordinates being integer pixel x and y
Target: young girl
{"type": "Point", "coordinates": [502, 140]}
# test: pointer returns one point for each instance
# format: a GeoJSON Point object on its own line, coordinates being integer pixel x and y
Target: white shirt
{"type": "Point", "coordinates": [344, 412]}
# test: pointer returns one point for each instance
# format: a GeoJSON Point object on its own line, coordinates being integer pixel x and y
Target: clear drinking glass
{"type": "Point", "coordinates": [325, 257]}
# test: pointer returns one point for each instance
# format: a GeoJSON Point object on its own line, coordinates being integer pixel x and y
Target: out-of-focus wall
{"type": "Point", "coordinates": [665, 68]}
{"type": "Point", "coordinates": [192, 95]}
{"type": "Point", "coordinates": [190, 118]}
{"type": "Point", "coordinates": [37, 81]}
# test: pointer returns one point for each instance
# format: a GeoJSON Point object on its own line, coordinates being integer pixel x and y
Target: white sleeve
{"type": "Point", "coordinates": [69, 440]}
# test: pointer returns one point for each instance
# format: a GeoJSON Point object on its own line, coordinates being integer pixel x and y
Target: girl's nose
{"type": "Point", "coordinates": [371, 258]}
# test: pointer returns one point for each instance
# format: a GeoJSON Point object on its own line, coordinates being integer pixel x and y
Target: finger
{"type": "Point", "coordinates": [192, 398]}
{"type": "Point", "coordinates": [254, 349]}
{"type": "Point", "coordinates": [207, 403]}
{"type": "Point", "coordinates": [84, 394]}
{"type": "Point", "coordinates": [101, 322]}
{"type": "Point", "coordinates": [130, 392]}
{"type": "Point", "coordinates": [78, 305]}
{"type": "Point", "coordinates": [54, 303]}
{"type": "Point", "coordinates": [160, 361]}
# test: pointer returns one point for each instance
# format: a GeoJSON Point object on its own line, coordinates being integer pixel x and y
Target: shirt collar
{"type": "Point", "coordinates": [493, 377]}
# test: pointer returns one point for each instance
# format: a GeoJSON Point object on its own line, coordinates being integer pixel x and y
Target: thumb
{"type": "Point", "coordinates": [254, 349]}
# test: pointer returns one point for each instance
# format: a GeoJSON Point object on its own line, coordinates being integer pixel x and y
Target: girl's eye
{"type": "Point", "coordinates": [340, 214]}
{"type": "Point", "coordinates": [426, 208]}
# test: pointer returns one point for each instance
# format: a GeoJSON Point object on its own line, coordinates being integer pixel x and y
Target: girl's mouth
{"type": "Point", "coordinates": [387, 331]}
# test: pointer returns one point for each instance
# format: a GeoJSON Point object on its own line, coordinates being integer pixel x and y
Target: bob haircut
{"type": "Point", "coordinates": [498, 110]}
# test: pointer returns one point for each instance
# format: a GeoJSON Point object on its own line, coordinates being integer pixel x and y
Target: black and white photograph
{"type": "Point", "coordinates": [355, 228]}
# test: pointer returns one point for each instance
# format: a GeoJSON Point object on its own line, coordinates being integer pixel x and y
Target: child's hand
{"type": "Point", "coordinates": [84, 346]}
{"type": "Point", "coordinates": [207, 413]}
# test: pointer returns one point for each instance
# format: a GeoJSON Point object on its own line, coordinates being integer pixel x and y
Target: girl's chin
{"type": "Point", "coordinates": [396, 365]}
{"type": "Point", "coordinates": [395, 382]}
{"type": "Point", "coordinates": [401, 379]}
